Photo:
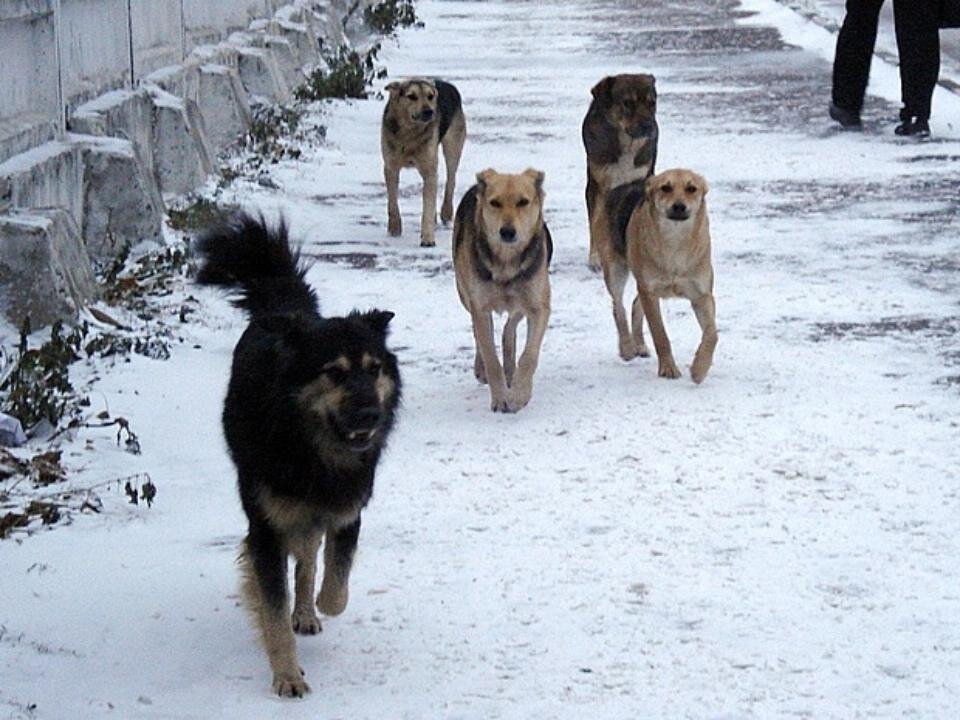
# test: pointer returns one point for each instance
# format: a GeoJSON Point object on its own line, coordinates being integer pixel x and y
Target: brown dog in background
{"type": "Point", "coordinates": [421, 115]}
{"type": "Point", "coordinates": [501, 257]}
{"type": "Point", "coordinates": [620, 136]}
{"type": "Point", "coordinates": [668, 248]}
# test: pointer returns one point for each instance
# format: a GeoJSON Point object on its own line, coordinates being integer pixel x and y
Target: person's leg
{"type": "Point", "coordinates": [918, 41]}
{"type": "Point", "coordinates": [851, 66]}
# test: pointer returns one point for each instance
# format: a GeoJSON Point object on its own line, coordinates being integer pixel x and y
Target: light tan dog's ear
{"type": "Point", "coordinates": [705, 185]}
{"type": "Point", "coordinates": [537, 177]}
{"type": "Point", "coordinates": [603, 90]}
{"type": "Point", "coordinates": [650, 186]}
{"type": "Point", "coordinates": [484, 177]}
{"type": "Point", "coordinates": [393, 87]}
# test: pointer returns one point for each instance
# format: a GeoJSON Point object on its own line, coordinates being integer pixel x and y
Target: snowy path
{"type": "Point", "coordinates": [781, 541]}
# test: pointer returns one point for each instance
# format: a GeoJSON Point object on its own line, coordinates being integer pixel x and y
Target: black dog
{"type": "Point", "coordinates": [309, 408]}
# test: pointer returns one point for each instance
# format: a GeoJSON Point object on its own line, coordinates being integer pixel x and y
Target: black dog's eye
{"type": "Point", "coordinates": [522, 202]}
{"type": "Point", "coordinates": [374, 367]}
{"type": "Point", "coordinates": [666, 189]}
{"type": "Point", "coordinates": [496, 203]}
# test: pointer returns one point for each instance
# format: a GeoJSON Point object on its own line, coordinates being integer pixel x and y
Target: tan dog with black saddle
{"type": "Point", "coordinates": [421, 115]}
{"type": "Point", "coordinates": [668, 248]}
{"type": "Point", "coordinates": [501, 257]}
{"type": "Point", "coordinates": [620, 136]}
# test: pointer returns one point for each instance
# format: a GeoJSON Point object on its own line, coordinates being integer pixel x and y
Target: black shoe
{"type": "Point", "coordinates": [915, 127]}
{"type": "Point", "coordinates": [846, 118]}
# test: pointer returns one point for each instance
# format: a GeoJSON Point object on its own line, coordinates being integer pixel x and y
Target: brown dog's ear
{"type": "Point", "coordinates": [650, 186]}
{"type": "Point", "coordinates": [537, 177]}
{"type": "Point", "coordinates": [393, 87]}
{"type": "Point", "coordinates": [484, 177]}
{"type": "Point", "coordinates": [603, 90]}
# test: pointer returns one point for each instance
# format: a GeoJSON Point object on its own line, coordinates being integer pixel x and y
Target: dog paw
{"type": "Point", "coordinates": [479, 371]}
{"type": "Point", "coordinates": [668, 369]}
{"type": "Point", "coordinates": [290, 686]}
{"type": "Point", "coordinates": [699, 370]}
{"type": "Point", "coordinates": [306, 622]}
{"type": "Point", "coordinates": [425, 242]}
{"type": "Point", "coordinates": [628, 350]}
{"type": "Point", "coordinates": [332, 599]}
{"type": "Point", "coordinates": [500, 404]}
{"type": "Point", "coordinates": [643, 351]}
{"type": "Point", "coordinates": [517, 399]}
{"type": "Point", "coordinates": [446, 213]}
{"type": "Point", "coordinates": [394, 226]}
{"type": "Point", "coordinates": [593, 262]}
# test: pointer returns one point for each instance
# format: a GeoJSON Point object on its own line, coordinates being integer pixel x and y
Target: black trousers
{"type": "Point", "coordinates": [851, 65]}
{"type": "Point", "coordinates": [918, 41]}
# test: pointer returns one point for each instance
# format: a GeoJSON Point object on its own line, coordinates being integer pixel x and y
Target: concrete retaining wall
{"type": "Point", "coordinates": [113, 106]}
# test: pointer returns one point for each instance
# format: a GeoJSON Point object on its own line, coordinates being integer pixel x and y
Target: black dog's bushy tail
{"type": "Point", "coordinates": [247, 254]}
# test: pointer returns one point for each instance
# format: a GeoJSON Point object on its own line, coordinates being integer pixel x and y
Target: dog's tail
{"type": "Point", "coordinates": [246, 254]}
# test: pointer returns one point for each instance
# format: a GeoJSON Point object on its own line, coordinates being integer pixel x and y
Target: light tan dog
{"type": "Point", "coordinates": [668, 248]}
{"type": "Point", "coordinates": [501, 257]}
{"type": "Point", "coordinates": [420, 115]}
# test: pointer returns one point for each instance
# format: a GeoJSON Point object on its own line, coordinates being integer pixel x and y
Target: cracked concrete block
{"type": "Point", "coordinates": [50, 175]}
{"type": "Point", "coordinates": [45, 246]}
{"type": "Point", "coordinates": [260, 73]}
{"type": "Point", "coordinates": [181, 152]}
{"type": "Point", "coordinates": [122, 205]}
{"type": "Point", "coordinates": [224, 104]}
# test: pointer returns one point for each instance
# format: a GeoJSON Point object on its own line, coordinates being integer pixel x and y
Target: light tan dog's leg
{"type": "Point", "coordinates": [265, 591]}
{"type": "Point", "coordinates": [486, 349]}
{"type": "Point", "coordinates": [452, 151]}
{"type": "Point", "coordinates": [427, 167]}
{"type": "Point", "coordinates": [636, 325]}
{"type": "Point", "coordinates": [706, 312]}
{"type": "Point", "coordinates": [651, 308]}
{"type": "Point", "coordinates": [522, 388]}
{"type": "Point", "coordinates": [510, 346]}
{"type": "Point", "coordinates": [340, 544]}
{"type": "Point", "coordinates": [615, 274]}
{"type": "Point", "coordinates": [391, 174]}
{"type": "Point", "coordinates": [305, 620]}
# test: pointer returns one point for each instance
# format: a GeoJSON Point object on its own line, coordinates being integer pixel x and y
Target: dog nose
{"type": "Point", "coordinates": [366, 417]}
{"type": "Point", "coordinates": [678, 208]}
{"type": "Point", "coordinates": [508, 234]}
{"type": "Point", "coordinates": [426, 115]}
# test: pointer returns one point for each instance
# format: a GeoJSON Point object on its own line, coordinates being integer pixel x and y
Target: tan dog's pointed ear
{"type": "Point", "coordinates": [705, 184]}
{"type": "Point", "coordinates": [537, 177]}
{"type": "Point", "coordinates": [484, 177]}
{"type": "Point", "coordinates": [650, 186]}
{"type": "Point", "coordinates": [603, 90]}
{"type": "Point", "coordinates": [393, 87]}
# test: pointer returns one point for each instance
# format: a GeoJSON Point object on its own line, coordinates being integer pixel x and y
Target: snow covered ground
{"type": "Point", "coordinates": [779, 542]}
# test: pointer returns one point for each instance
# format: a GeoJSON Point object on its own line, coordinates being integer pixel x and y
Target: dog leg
{"type": "Point", "coordinates": [636, 327]}
{"type": "Point", "coordinates": [510, 346]}
{"type": "Point", "coordinates": [706, 312]}
{"type": "Point", "coordinates": [667, 367]}
{"type": "Point", "coordinates": [479, 371]}
{"type": "Point", "coordinates": [483, 334]}
{"type": "Point", "coordinates": [593, 258]}
{"type": "Point", "coordinates": [428, 220]}
{"type": "Point", "coordinates": [391, 174]}
{"type": "Point", "coordinates": [452, 151]}
{"type": "Point", "coordinates": [615, 275]}
{"type": "Point", "coordinates": [265, 587]}
{"type": "Point", "coordinates": [341, 542]}
{"type": "Point", "coordinates": [523, 387]}
{"type": "Point", "coordinates": [305, 620]}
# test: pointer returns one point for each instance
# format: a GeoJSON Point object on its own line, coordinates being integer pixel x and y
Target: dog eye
{"type": "Point", "coordinates": [374, 367]}
{"type": "Point", "coordinates": [666, 189]}
{"type": "Point", "coordinates": [412, 98]}
{"type": "Point", "coordinates": [522, 202]}
{"type": "Point", "coordinates": [496, 203]}
{"type": "Point", "coordinates": [334, 373]}
{"type": "Point", "coordinates": [429, 97]}
{"type": "Point", "coordinates": [691, 189]}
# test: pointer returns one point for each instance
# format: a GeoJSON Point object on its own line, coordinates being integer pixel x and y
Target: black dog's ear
{"type": "Point", "coordinates": [603, 90]}
{"type": "Point", "coordinates": [377, 320]}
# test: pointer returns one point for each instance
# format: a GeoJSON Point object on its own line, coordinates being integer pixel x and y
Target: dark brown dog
{"type": "Point", "coordinates": [420, 115]}
{"type": "Point", "coordinates": [620, 136]}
